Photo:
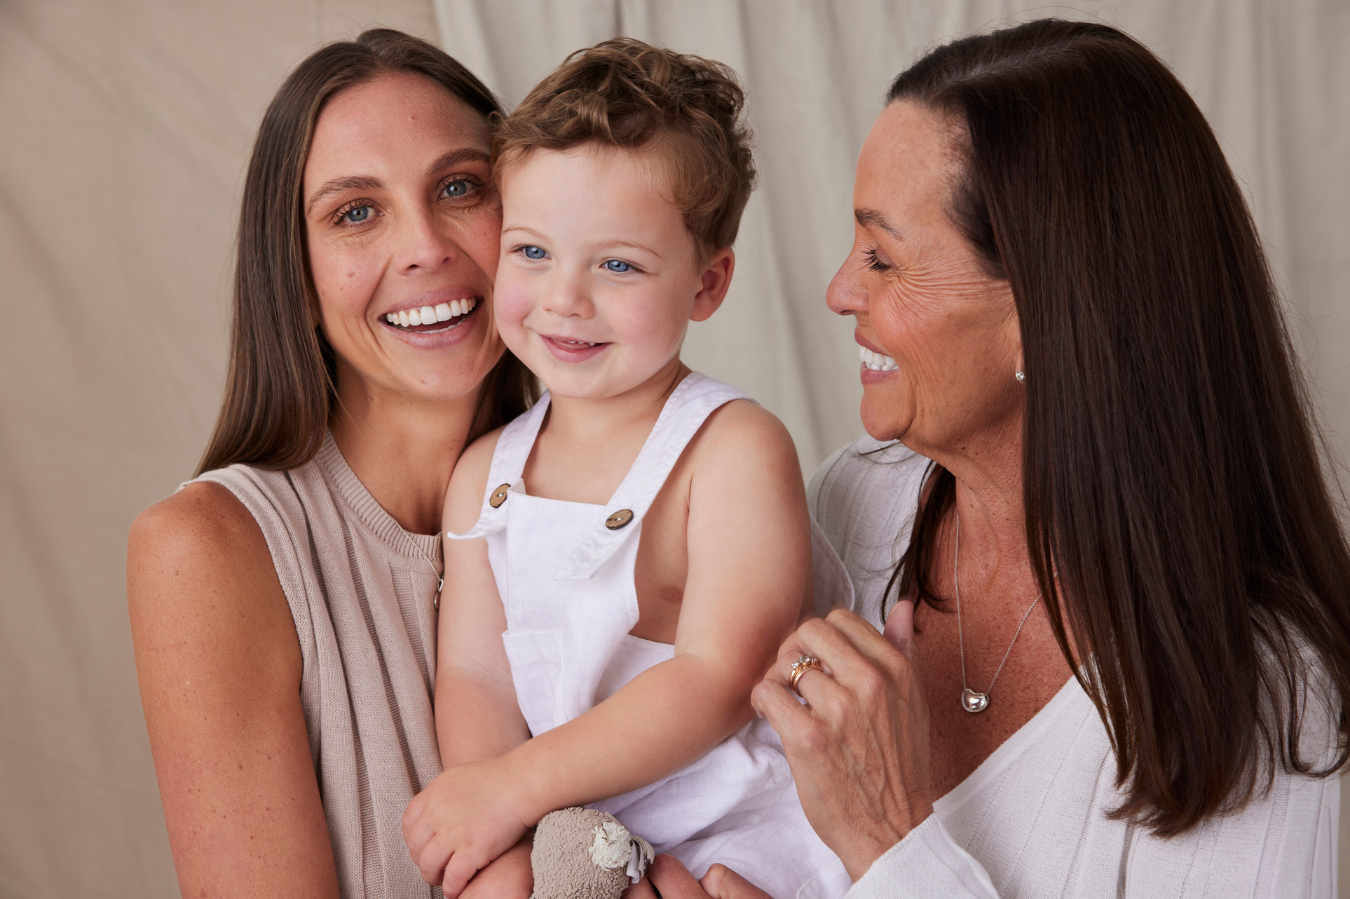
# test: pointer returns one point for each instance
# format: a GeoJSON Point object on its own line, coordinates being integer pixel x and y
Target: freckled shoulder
{"type": "Point", "coordinates": [201, 527]}
{"type": "Point", "coordinates": [464, 496]}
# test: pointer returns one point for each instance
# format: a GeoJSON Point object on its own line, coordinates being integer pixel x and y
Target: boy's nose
{"type": "Point", "coordinates": [568, 299]}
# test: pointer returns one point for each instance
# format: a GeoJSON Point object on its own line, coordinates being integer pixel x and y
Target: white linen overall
{"type": "Point", "coordinates": [565, 574]}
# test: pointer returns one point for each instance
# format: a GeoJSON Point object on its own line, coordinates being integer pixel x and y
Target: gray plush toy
{"type": "Point", "coordinates": [581, 853]}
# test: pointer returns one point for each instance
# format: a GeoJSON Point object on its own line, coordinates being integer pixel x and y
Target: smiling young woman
{"type": "Point", "coordinates": [282, 604]}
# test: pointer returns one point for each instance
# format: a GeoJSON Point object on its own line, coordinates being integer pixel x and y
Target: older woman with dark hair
{"type": "Point", "coordinates": [283, 603]}
{"type": "Point", "coordinates": [1117, 657]}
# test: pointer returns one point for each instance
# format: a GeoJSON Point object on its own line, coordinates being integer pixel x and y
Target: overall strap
{"type": "Point", "coordinates": [693, 400]}
{"type": "Point", "coordinates": [508, 464]}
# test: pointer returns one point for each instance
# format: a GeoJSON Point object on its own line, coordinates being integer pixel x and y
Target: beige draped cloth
{"type": "Point", "coordinates": [127, 127]}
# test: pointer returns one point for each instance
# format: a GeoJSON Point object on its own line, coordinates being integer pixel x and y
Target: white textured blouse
{"type": "Point", "coordinates": [1033, 819]}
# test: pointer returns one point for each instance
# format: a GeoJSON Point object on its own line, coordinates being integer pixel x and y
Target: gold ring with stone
{"type": "Point", "coordinates": [800, 667]}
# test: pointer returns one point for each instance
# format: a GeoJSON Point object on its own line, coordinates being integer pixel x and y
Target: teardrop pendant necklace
{"type": "Point", "coordinates": [972, 700]}
{"type": "Point", "coordinates": [440, 580]}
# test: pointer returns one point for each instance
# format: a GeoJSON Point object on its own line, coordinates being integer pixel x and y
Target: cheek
{"type": "Point", "coordinates": [654, 321]}
{"type": "Point", "coordinates": [910, 328]}
{"type": "Point", "coordinates": [345, 279]}
{"type": "Point", "coordinates": [480, 238]}
{"type": "Point", "coordinates": [512, 300]}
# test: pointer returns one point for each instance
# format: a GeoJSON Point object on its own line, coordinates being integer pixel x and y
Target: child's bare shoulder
{"type": "Point", "coordinates": [464, 497]}
{"type": "Point", "coordinates": [743, 437]}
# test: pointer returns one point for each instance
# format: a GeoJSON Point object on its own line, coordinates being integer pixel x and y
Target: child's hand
{"type": "Point", "coordinates": [460, 823]}
{"type": "Point", "coordinates": [510, 877]}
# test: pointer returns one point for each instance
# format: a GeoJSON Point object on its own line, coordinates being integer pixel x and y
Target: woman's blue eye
{"type": "Point", "coordinates": [357, 215]}
{"type": "Point", "coordinates": [532, 252]}
{"type": "Point", "coordinates": [460, 187]}
{"type": "Point", "coordinates": [618, 266]}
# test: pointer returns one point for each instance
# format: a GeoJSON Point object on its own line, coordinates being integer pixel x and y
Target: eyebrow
{"type": "Point", "coordinates": [455, 157]}
{"type": "Point", "coordinates": [869, 218]}
{"type": "Point", "coordinates": [338, 185]}
{"type": "Point", "coordinates": [368, 182]}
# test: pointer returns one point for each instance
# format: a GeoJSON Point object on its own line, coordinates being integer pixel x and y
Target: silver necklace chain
{"type": "Point", "coordinates": [972, 700]}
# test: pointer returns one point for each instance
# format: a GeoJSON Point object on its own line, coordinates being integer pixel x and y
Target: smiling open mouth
{"type": "Point", "coordinates": [433, 319]}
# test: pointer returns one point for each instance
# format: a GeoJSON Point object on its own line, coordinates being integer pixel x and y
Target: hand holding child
{"type": "Point", "coordinates": [675, 882]}
{"type": "Point", "coordinates": [461, 822]}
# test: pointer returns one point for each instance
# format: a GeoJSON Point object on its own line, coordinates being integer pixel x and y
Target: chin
{"type": "Point", "coordinates": [448, 383]}
{"type": "Point", "coordinates": [881, 423]}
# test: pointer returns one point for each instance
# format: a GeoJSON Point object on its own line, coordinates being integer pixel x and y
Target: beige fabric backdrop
{"type": "Point", "coordinates": [127, 125]}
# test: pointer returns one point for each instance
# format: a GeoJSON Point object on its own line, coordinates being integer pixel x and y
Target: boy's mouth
{"type": "Point", "coordinates": [566, 350]}
{"type": "Point", "coordinates": [433, 319]}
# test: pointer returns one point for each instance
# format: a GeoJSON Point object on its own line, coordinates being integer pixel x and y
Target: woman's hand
{"type": "Point", "coordinates": [461, 822]}
{"type": "Point", "coordinates": [668, 875]}
{"type": "Point", "coordinates": [859, 747]}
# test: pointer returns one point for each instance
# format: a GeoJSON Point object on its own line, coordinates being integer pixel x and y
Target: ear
{"type": "Point", "coordinates": [1013, 329]}
{"type": "Point", "coordinates": [713, 284]}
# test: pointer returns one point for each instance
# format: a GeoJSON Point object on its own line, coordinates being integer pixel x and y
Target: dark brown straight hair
{"type": "Point", "coordinates": [281, 385]}
{"type": "Point", "coordinates": [1171, 476]}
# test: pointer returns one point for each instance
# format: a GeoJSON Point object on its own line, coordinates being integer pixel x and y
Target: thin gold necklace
{"type": "Point", "coordinates": [972, 700]}
{"type": "Point", "coordinates": [440, 581]}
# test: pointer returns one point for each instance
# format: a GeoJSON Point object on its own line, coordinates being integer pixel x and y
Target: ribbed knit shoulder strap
{"type": "Point", "coordinates": [685, 411]}
{"type": "Point", "coordinates": [508, 464]}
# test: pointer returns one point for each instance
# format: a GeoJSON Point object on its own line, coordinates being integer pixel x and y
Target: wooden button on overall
{"type": "Point", "coordinates": [498, 496]}
{"type": "Point", "coordinates": [619, 519]}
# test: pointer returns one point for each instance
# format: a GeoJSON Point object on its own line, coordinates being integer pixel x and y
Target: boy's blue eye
{"type": "Point", "coordinates": [618, 266]}
{"type": "Point", "coordinates": [533, 252]}
{"type": "Point", "coordinates": [357, 215]}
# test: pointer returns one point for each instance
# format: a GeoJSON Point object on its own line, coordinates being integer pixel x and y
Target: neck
{"type": "Point", "coordinates": [988, 473]}
{"type": "Point", "coordinates": [603, 421]}
{"type": "Point", "coordinates": [402, 449]}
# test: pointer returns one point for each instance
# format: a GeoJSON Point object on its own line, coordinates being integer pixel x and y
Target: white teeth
{"type": "Point", "coordinates": [876, 361]}
{"type": "Point", "coordinates": [427, 315]}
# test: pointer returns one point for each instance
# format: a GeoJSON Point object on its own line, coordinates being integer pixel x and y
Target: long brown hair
{"type": "Point", "coordinates": [1171, 475]}
{"type": "Point", "coordinates": [281, 386]}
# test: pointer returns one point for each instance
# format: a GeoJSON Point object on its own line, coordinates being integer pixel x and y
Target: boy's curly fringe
{"type": "Point", "coordinates": [627, 94]}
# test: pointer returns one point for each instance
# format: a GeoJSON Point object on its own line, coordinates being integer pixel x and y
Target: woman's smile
{"type": "Point", "coordinates": [433, 316]}
{"type": "Point", "coordinates": [876, 365]}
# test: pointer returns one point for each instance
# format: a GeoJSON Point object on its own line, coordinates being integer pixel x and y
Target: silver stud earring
{"type": "Point", "coordinates": [1020, 376]}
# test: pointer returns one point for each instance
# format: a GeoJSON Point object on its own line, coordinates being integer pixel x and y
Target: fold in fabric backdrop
{"type": "Point", "coordinates": [127, 129]}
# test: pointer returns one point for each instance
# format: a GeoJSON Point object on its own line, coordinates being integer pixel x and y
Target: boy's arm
{"type": "Point", "coordinates": [749, 567]}
{"type": "Point", "coordinates": [477, 716]}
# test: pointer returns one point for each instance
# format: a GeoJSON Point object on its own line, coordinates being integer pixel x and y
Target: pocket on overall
{"type": "Point", "coordinates": [536, 670]}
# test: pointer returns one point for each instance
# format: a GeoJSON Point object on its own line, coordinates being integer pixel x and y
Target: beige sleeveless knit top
{"type": "Point", "coordinates": [361, 596]}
